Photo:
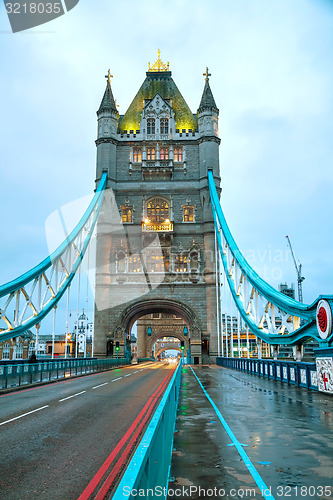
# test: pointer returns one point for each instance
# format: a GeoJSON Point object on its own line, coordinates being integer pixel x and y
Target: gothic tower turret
{"type": "Point", "coordinates": [107, 118]}
{"type": "Point", "coordinates": [208, 114]}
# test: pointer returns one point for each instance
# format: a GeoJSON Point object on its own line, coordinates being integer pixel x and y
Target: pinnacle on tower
{"type": "Point", "coordinates": [108, 102]}
{"type": "Point", "coordinates": [207, 99]}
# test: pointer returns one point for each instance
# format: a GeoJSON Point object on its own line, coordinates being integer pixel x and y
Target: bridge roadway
{"type": "Point", "coordinates": [285, 432]}
{"type": "Point", "coordinates": [54, 439]}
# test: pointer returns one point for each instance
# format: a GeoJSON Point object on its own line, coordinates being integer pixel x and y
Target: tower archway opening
{"type": "Point", "coordinates": [159, 336]}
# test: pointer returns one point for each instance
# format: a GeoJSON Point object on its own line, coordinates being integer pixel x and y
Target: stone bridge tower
{"type": "Point", "coordinates": [155, 235]}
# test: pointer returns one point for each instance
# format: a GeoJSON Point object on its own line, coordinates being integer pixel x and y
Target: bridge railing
{"type": "Point", "coordinates": [293, 373]}
{"type": "Point", "coordinates": [150, 465]}
{"type": "Point", "coordinates": [33, 373]}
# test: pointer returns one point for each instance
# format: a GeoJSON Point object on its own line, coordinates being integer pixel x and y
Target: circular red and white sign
{"type": "Point", "coordinates": [324, 319]}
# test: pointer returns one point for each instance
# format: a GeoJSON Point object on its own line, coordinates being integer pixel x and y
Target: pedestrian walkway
{"type": "Point", "coordinates": [238, 436]}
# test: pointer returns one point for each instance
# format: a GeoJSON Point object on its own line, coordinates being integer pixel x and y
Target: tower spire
{"type": "Point", "coordinates": [108, 102]}
{"type": "Point", "coordinates": [207, 99]}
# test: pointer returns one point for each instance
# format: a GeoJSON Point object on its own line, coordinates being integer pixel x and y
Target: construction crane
{"type": "Point", "coordinates": [298, 267]}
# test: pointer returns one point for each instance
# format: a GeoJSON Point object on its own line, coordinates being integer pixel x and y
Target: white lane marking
{"type": "Point", "coordinates": [128, 375]}
{"type": "Point", "coordinates": [24, 415]}
{"type": "Point", "coordinates": [115, 379]}
{"type": "Point", "coordinates": [141, 369]}
{"type": "Point", "coordinates": [100, 385]}
{"type": "Point", "coordinates": [137, 371]}
{"type": "Point", "coordinates": [72, 396]}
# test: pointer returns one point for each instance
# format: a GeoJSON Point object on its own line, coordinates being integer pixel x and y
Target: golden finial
{"type": "Point", "coordinates": [159, 65]}
{"type": "Point", "coordinates": [207, 75]}
{"type": "Point", "coordinates": [109, 76]}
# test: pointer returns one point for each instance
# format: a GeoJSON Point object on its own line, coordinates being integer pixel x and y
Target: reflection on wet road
{"type": "Point", "coordinates": [286, 433]}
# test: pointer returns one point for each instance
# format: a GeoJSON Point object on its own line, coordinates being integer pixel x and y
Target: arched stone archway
{"type": "Point", "coordinates": [151, 342]}
{"type": "Point", "coordinates": [145, 307]}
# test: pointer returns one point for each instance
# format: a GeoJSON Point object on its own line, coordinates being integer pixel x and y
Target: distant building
{"type": "Point", "coordinates": [287, 290]}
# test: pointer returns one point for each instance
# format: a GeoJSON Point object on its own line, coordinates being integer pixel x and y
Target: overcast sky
{"type": "Point", "coordinates": [272, 79]}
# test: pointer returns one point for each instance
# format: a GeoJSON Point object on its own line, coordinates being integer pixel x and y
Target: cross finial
{"type": "Point", "coordinates": [109, 76]}
{"type": "Point", "coordinates": [207, 75]}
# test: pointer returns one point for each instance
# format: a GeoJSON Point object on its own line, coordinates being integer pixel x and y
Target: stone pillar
{"type": "Point", "coordinates": [142, 341]}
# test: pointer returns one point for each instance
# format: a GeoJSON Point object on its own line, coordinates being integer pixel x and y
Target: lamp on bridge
{"type": "Point", "coordinates": [185, 331]}
{"type": "Point", "coordinates": [149, 331]}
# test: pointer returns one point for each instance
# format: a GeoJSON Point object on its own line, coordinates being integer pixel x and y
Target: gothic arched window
{"type": "Point", "coordinates": [188, 213]}
{"type": "Point", "coordinates": [137, 155]}
{"type": "Point", "coordinates": [164, 125]}
{"type": "Point", "coordinates": [126, 214]}
{"type": "Point", "coordinates": [151, 154]}
{"type": "Point", "coordinates": [178, 154]}
{"type": "Point", "coordinates": [180, 263]}
{"type": "Point", "coordinates": [151, 126]}
{"type": "Point", "coordinates": [164, 153]}
{"type": "Point", "coordinates": [156, 261]}
{"type": "Point", "coordinates": [158, 210]}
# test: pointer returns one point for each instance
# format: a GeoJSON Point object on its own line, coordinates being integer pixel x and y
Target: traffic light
{"type": "Point", "coordinates": [117, 346]}
{"type": "Point", "coordinates": [182, 345]}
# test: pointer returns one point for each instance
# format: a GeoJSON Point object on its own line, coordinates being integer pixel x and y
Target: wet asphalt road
{"type": "Point", "coordinates": [54, 452]}
{"type": "Point", "coordinates": [287, 432]}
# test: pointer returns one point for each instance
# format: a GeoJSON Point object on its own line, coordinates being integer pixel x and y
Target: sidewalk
{"type": "Point", "coordinates": [283, 432]}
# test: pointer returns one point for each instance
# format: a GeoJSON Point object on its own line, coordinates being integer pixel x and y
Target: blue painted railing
{"type": "Point", "coordinates": [291, 372]}
{"type": "Point", "coordinates": [150, 465]}
{"type": "Point", "coordinates": [44, 371]}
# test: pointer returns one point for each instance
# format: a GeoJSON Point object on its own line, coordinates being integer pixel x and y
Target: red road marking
{"type": "Point", "coordinates": [101, 472]}
{"type": "Point", "coordinates": [109, 480]}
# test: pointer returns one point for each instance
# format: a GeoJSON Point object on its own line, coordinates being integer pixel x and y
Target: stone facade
{"type": "Point", "coordinates": [155, 234]}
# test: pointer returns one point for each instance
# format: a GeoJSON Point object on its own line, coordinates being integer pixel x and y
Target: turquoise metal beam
{"type": "Point", "coordinates": [15, 286]}
{"type": "Point", "coordinates": [278, 299]}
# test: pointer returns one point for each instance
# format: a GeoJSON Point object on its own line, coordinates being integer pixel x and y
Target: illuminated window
{"type": "Point", "coordinates": [137, 155]}
{"type": "Point", "coordinates": [134, 264]}
{"type": "Point", "coordinates": [157, 210]}
{"type": "Point", "coordinates": [164, 153]}
{"type": "Point", "coordinates": [151, 126]}
{"type": "Point", "coordinates": [126, 214]}
{"type": "Point", "coordinates": [188, 213]}
{"type": "Point", "coordinates": [164, 124]}
{"type": "Point", "coordinates": [156, 261]}
{"type": "Point", "coordinates": [178, 154]}
{"type": "Point", "coordinates": [151, 154]}
{"type": "Point", "coordinates": [180, 262]}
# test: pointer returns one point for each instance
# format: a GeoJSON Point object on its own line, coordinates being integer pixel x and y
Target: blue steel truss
{"type": "Point", "coordinates": [269, 314]}
{"type": "Point", "coordinates": [26, 300]}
